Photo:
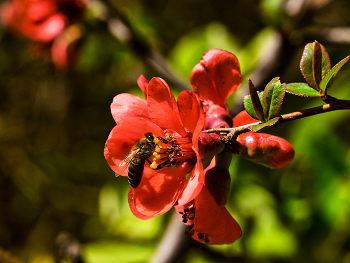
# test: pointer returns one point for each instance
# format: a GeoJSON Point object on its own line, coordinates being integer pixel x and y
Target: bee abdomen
{"type": "Point", "coordinates": [135, 172]}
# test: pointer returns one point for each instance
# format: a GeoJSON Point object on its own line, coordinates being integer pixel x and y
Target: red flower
{"type": "Point", "coordinates": [201, 198]}
{"type": "Point", "coordinates": [43, 21]}
{"type": "Point", "coordinates": [214, 79]}
{"type": "Point", "coordinates": [261, 148]}
{"type": "Point", "coordinates": [177, 127]}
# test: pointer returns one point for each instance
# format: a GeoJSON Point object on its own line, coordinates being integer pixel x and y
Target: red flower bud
{"type": "Point", "coordinates": [265, 149]}
{"type": "Point", "coordinates": [218, 181]}
{"type": "Point", "coordinates": [216, 117]}
{"type": "Point", "coordinates": [209, 145]}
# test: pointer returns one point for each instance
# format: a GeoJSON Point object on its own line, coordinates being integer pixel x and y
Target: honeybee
{"type": "Point", "coordinates": [135, 160]}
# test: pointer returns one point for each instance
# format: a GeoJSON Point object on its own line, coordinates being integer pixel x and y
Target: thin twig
{"type": "Point", "coordinates": [121, 28]}
{"type": "Point", "coordinates": [335, 105]}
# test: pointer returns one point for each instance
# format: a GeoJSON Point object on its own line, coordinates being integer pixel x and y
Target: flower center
{"type": "Point", "coordinates": [171, 151]}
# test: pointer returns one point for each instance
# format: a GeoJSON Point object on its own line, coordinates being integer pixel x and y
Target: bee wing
{"type": "Point", "coordinates": [123, 165]}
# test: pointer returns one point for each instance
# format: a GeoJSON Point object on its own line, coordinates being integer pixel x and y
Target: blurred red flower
{"type": "Point", "coordinates": [45, 21]}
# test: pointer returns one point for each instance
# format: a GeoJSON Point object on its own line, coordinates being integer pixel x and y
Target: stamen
{"type": "Point", "coordinates": [188, 214]}
{"type": "Point", "coordinates": [171, 151]}
{"type": "Point", "coordinates": [203, 237]}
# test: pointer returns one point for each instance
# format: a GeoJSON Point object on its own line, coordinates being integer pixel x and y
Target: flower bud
{"type": "Point", "coordinates": [217, 117]}
{"type": "Point", "coordinates": [265, 149]}
{"type": "Point", "coordinates": [209, 146]}
{"type": "Point", "coordinates": [218, 181]}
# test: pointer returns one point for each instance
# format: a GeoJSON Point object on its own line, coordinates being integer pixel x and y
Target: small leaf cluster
{"type": "Point", "coordinates": [316, 68]}
{"type": "Point", "coordinates": [265, 106]}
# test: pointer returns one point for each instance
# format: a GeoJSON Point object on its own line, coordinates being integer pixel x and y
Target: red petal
{"type": "Point", "coordinates": [214, 222]}
{"type": "Point", "coordinates": [38, 11]}
{"type": "Point", "coordinates": [157, 192]}
{"type": "Point", "coordinates": [243, 118]}
{"type": "Point", "coordinates": [180, 212]}
{"type": "Point", "coordinates": [189, 108]}
{"type": "Point", "coordinates": [50, 28]}
{"type": "Point", "coordinates": [216, 76]}
{"type": "Point", "coordinates": [195, 181]}
{"type": "Point", "coordinates": [193, 184]}
{"type": "Point", "coordinates": [127, 105]}
{"type": "Point", "coordinates": [143, 84]}
{"type": "Point", "coordinates": [123, 137]}
{"type": "Point", "coordinates": [162, 106]}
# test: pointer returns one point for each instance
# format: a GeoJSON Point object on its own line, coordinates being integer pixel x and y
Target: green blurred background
{"type": "Point", "coordinates": [53, 126]}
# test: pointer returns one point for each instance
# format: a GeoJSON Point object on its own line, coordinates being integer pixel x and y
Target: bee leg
{"type": "Point", "coordinates": [162, 165]}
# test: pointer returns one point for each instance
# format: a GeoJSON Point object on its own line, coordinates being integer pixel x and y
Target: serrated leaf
{"type": "Point", "coordinates": [272, 98]}
{"type": "Point", "coordinates": [248, 105]}
{"type": "Point", "coordinates": [302, 89]}
{"type": "Point", "coordinates": [331, 74]}
{"type": "Point", "coordinates": [269, 123]}
{"type": "Point", "coordinates": [256, 101]}
{"type": "Point", "coordinates": [310, 63]}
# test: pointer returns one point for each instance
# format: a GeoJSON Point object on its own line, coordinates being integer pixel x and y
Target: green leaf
{"type": "Point", "coordinates": [317, 63]}
{"type": "Point", "coordinates": [315, 57]}
{"type": "Point", "coordinates": [258, 109]}
{"type": "Point", "coordinates": [331, 74]}
{"type": "Point", "coordinates": [272, 98]}
{"type": "Point", "coordinates": [248, 105]}
{"type": "Point", "coordinates": [269, 123]}
{"type": "Point", "coordinates": [302, 89]}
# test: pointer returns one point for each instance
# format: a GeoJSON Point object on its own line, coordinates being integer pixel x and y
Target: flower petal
{"type": "Point", "coordinates": [123, 137]}
{"type": "Point", "coordinates": [143, 84]}
{"type": "Point", "coordinates": [193, 184]}
{"type": "Point", "coordinates": [189, 108]}
{"type": "Point", "coordinates": [243, 118]}
{"type": "Point", "coordinates": [213, 224]}
{"type": "Point", "coordinates": [195, 181]}
{"type": "Point", "coordinates": [162, 106]}
{"type": "Point", "coordinates": [157, 192]}
{"type": "Point", "coordinates": [216, 76]}
{"type": "Point", "coordinates": [127, 105]}
{"type": "Point", "coordinates": [49, 29]}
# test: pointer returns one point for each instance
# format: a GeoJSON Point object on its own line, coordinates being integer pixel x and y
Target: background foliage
{"type": "Point", "coordinates": [53, 126]}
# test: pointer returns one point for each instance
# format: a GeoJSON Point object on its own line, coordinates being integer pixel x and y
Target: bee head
{"type": "Point", "coordinates": [149, 137]}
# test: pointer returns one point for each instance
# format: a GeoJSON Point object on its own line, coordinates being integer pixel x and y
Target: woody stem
{"type": "Point", "coordinates": [333, 106]}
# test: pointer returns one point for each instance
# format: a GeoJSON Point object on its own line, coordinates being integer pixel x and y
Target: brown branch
{"type": "Point", "coordinates": [122, 29]}
{"type": "Point", "coordinates": [335, 105]}
{"type": "Point", "coordinates": [173, 243]}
